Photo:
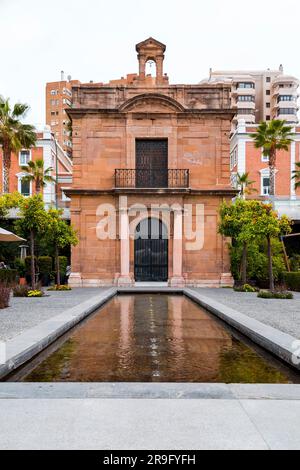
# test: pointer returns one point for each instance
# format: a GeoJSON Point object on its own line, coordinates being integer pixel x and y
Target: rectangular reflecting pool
{"type": "Point", "coordinates": [154, 338]}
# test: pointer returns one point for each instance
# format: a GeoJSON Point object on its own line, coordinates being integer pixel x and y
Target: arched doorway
{"type": "Point", "coordinates": [151, 251]}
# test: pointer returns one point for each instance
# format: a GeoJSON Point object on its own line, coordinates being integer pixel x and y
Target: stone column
{"type": "Point", "coordinates": [125, 279]}
{"type": "Point", "coordinates": [75, 278]}
{"type": "Point", "coordinates": [177, 279]}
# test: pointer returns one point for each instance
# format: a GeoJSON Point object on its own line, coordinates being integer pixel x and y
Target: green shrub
{"type": "Point", "coordinates": [292, 281]}
{"type": "Point", "coordinates": [275, 295]}
{"type": "Point", "coordinates": [257, 260]}
{"type": "Point", "coordinates": [45, 264]}
{"type": "Point", "coordinates": [28, 264]}
{"type": "Point", "coordinates": [245, 288]}
{"type": "Point", "coordinates": [63, 263]}
{"type": "Point", "coordinates": [20, 267]}
{"type": "Point", "coordinates": [8, 276]}
{"type": "Point", "coordinates": [295, 263]}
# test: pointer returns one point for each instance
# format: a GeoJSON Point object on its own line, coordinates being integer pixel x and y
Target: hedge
{"type": "Point", "coordinates": [292, 281]}
{"type": "Point", "coordinates": [8, 275]}
{"type": "Point", "coordinates": [45, 264]}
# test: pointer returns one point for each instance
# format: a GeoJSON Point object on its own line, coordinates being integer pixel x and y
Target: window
{"type": "Point", "coordinates": [66, 101]}
{"type": "Point", "coordinates": [245, 85]}
{"type": "Point", "coordinates": [265, 185]}
{"type": "Point", "coordinates": [64, 197]}
{"type": "Point", "coordinates": [268, 118]}
{"type": "Point", "coordinates": [268, 79]}
{"type": "Point", "coordinates": [233, 158]}
{"type": "Point", "coordinates": [54, 102]}
{"type": "Point", "coordinates": [54, 92]}
{"type": "Point", "coordinates": [24, 157]}
{"type": "Point", "coordinates": [264, 158]}
{"type": "Point", "coordinates": [268, 92]}
{"type": "Point", "coordinates": [286, 111]}
{"type": "Point", "coordinates": [285, 98]}
{"type": "Point", "coordinates": [246, 111]}
{"type": "Point", "coordinates": [268, 105]}
{"type": "Point", "coordinates": [246, 98]}
{"type": "Point", "coordinates": [25, 187]}
{"type": "Point", "coordinates": [67, 92]}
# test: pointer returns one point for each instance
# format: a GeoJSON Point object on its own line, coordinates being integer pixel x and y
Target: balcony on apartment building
{"type": "Point", "coordinates": [155, 178]}
{"type": "Point", "coordinates": [244, 88]}
{"type": "Point", "coordinates": [285, 86]}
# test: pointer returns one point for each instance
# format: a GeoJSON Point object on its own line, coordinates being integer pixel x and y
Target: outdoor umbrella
{"type": "Point", "coordinates": [6, 236]}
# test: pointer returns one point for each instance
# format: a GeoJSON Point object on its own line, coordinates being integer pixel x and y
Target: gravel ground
{"type": "Point", "coordinates": [281, 314]}
{"type": "Point", "coordinates": [27, 313]}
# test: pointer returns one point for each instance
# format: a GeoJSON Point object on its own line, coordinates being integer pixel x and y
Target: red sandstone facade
{"type": "Point", "coordinates": [141, 141]}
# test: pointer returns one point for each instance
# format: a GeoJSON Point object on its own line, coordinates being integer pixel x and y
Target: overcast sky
{"type": "Point", "coordinates": [95, 40]}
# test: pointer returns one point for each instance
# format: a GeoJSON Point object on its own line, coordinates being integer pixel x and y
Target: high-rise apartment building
{"type": "Point", "coordinates": [261, 95]}
{"type": "Point", "coordinates": [58, 99]}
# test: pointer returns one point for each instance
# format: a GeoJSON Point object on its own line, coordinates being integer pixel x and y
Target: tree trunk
{"type": "Point", "coordinates": [244, 264]}
{"type": "Point", "coordinates": [57, 266]}
{"type": "Point", "coordinates": [271, 277]}
{"type": "Point", "coordinates": [32, 260]}
{"type": "Point", "coordinates": [272, 167]}
{"type": "Point", "coordinates": [37, 187]}
{"type": "Point", "coordinates": [6, 168]}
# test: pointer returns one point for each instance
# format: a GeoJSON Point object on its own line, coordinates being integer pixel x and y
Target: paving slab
{"type": "Point", "coordinates": [277, 421]}
{"type": "Point", "coordinates": [127, 425]}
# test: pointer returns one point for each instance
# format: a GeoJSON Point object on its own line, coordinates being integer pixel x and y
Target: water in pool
{"type": "Point", "coordinates": [154, 338]}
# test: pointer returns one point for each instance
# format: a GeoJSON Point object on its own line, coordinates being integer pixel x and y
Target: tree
{"type": "Point", "coordinates": [244, 184]}
{"type": "Point", "coordinates": [235, 223]}
{"type": "Point", "coordinates": [35, 172]}
{"type": "Point", "coordinates": [59, 234]}
{"type": "Point", "coordinates": [13, 134]}
{"type": "Point", "coordinates": [33, 221]}
{"type": "Point", "coordinates": [9, 201]}
{"type": "Point", "coordinates": [272, 136]}
{"type": "Point", "coordinates": [296, 175]}
{"type": "Point", "coordinates": [267, 223]}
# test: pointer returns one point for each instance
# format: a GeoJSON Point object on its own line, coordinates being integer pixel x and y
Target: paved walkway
{"type": "Point", "coordinates": [283, 315]}
{"type": "Point", "coordinates": [238, 419]}
{"type": "Point", "coordinates": [25, 313]}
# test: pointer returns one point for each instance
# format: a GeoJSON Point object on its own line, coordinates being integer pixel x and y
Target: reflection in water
{"type": "Point", "coordinates": [154, 338]}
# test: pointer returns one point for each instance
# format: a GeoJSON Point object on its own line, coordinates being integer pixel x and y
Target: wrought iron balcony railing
{"type": "Point", "coordinates": [154, 178]}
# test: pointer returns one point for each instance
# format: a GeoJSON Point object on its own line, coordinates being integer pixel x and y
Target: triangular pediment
{"type": "Point", "coordinates": [150, 43]}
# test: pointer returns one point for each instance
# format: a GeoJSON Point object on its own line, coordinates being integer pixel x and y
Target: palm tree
{"type": "Point", "coordinates": [296, 174]}
{"type": "Point", "coordinates": [272, 136]}
{"type": "Point", "coordinates": [244, 184]}
{"type": "Point", "coordinates": [35, 172]}
{"type": "Point", "coordinates": [13, 134]}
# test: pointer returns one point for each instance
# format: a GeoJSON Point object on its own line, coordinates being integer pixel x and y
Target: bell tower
{"type": "Point", "coordinates": [152, 50]}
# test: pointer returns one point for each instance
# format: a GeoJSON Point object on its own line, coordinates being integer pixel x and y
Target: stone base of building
{"type": "Point", "coordinates": [125, 281]}
{"type": "Point", "coordinates": [227, 280]}
{"type": "Point", "coordinates": [177, 282]}
{"type": "Point", "coordinates": [77, 280]}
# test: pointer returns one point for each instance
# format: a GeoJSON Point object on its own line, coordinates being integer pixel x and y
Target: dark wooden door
{"type": "Point", "coordinates": [152, 163]}
{"type": "Point", "coordinates": [151, 252]}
